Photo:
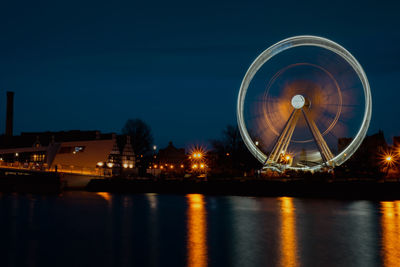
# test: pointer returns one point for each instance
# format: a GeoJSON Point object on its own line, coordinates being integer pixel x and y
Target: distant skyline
{"type": "Point", "coordinates": [178, 65]}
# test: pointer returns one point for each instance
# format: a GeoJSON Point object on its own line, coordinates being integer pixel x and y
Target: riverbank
{"type": "Point", "coordinates": [46, 182]}
{"type": "Point", "coordinates": [299, 188]}
{"type": "Point", "coordinates": [29, 181]}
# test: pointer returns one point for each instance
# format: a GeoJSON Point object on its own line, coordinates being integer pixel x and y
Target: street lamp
{"type": "Point", "coordinates": [389, 160]}
{"type": "Point", "coordinates": [197, 155]}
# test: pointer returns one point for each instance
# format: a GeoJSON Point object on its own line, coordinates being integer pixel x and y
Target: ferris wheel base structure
{"type": "Point", "coordinates": [278, 159]}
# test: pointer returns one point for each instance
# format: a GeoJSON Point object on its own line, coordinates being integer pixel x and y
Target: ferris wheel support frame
{"type": "Point", "coordinates": [296, 41]}
{"type": "Point", "coordinates": [283, 141]}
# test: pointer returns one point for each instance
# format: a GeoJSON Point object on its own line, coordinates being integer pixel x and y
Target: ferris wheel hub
{"type": "Point", "coordinates": [298, 101]}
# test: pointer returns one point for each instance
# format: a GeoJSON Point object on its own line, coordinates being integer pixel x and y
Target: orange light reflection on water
{"type": "Point", "coordinates": [288, 239]}
{"type": "Point", "coordinates": [105, 195]}
{"type": "Point", "coordinates": [197, 231]}
{"type": "Point", "coordinates": [391, 232]}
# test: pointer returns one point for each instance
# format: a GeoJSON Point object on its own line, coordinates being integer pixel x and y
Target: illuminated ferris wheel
{"type": "Point", "coordinates": [304, 104]}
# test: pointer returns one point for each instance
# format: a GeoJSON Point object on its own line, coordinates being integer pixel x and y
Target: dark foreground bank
{"type": "Point", "coordinates": [345, 190]}
{"type": "Point", "coordinates": [28, 181]}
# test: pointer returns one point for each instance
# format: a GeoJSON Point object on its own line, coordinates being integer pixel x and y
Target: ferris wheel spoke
{"type": "Point", "coordinates": [257, 116]}
{"type": "Point", "coordinates": [343, 105]}
{"type": "Point", "coordinates": [284, 138]}
{"type": "Point", "coordinates": [323, 148]}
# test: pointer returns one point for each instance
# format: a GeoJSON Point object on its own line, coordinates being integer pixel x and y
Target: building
{"type": "Point", "coordinates": [84, 153]}
{"type": "Point", "coordinates": [169, 161]}
{"type": "Point", "coordinates": [396, 141]}
{"type": "Point", "coordinates": [89, 153]}
{"type": "Point", "coordinates": [367, 160]}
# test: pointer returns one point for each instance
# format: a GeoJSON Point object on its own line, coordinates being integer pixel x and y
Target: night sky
{"type": "Point", "coordinates": [177, 65]}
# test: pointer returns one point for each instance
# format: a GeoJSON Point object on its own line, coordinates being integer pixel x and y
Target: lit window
{"type": "Point", "coordinates": [79, 149]}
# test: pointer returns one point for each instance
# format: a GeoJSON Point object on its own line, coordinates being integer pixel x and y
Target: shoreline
{"type": "Point", "coordinates": [370, 190]}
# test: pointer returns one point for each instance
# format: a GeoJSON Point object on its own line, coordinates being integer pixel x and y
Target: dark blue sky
{"type": "Point", "coordinates": [175, 64]}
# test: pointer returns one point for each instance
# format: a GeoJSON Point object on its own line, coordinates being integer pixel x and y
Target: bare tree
{"type": "Point", "coordinates": [141, 136]}
{"type": "Point", "coordinates": [233, 155]}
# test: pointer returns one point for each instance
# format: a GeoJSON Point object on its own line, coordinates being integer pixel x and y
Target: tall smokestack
{"type": "Point", "coordinates": [10, 113]}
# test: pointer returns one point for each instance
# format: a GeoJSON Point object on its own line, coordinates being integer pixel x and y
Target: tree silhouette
{"type": "Point", "coordinates": [141, 136]}
{"type": "Point", "coordinates": [232, 154]}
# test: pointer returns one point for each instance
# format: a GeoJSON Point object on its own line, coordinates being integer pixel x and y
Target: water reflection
{"type": "Point", "coordinates": [288, 245]}
{"type": "Point", "coordinates": [391, 233]}
{"type": "Point", "coordinates": [153, 229]}
{"type": "Point", "coordinates": [169, 230]}
{"type": "Point", "coordinates": [105, 195]}
{"type": "Point", "coordinates": [152, 198]}
{"type": "Point", "coordinates": [197, 231]}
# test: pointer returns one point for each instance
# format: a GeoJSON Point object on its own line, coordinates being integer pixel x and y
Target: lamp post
{"type": "Point", "coordinates": [198, 162]}
{"type": "Point", "coordinates": [389, 161]}
{"type": "Point", "coordinates": [154, 161]}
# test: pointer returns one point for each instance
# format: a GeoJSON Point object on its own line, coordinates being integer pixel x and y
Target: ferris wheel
{"type": "Point", "coordinates": [304, 104]}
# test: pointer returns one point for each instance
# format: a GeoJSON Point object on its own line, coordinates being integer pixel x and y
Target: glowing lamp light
{"type": "Point", "coordinates": [388, 159]}
{"type": "Point", "coordinates": [197, 155]}
{"type": "Point", "coordinates": [202, 166]}
{"type": "Point", "coordinates": [162, 167]}
{"type": "Point", "coordinates": [130, 166]}
{"type": "Point", "coordinates": [110, 165]}
{"type": "Point", "coordinates": [125, 165]}
{"type": "Point", "coordinates": [155, 166]}
{"type": "Point", "coordinates": [194, 166]}
{"type": "Point", "coordinates": [16, 154]}
{"type": "Point", "coordinates": [287, 157]}
{"type": "Point", "coordinates": [100, 164]}
{"type": "Point", "coordinates": [182, 166]}
{"type": "Point", "coordinates": [172, 166]}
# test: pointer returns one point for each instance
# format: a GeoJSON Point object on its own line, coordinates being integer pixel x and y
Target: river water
{"type": "Point", "coordinates": [102, 229]}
